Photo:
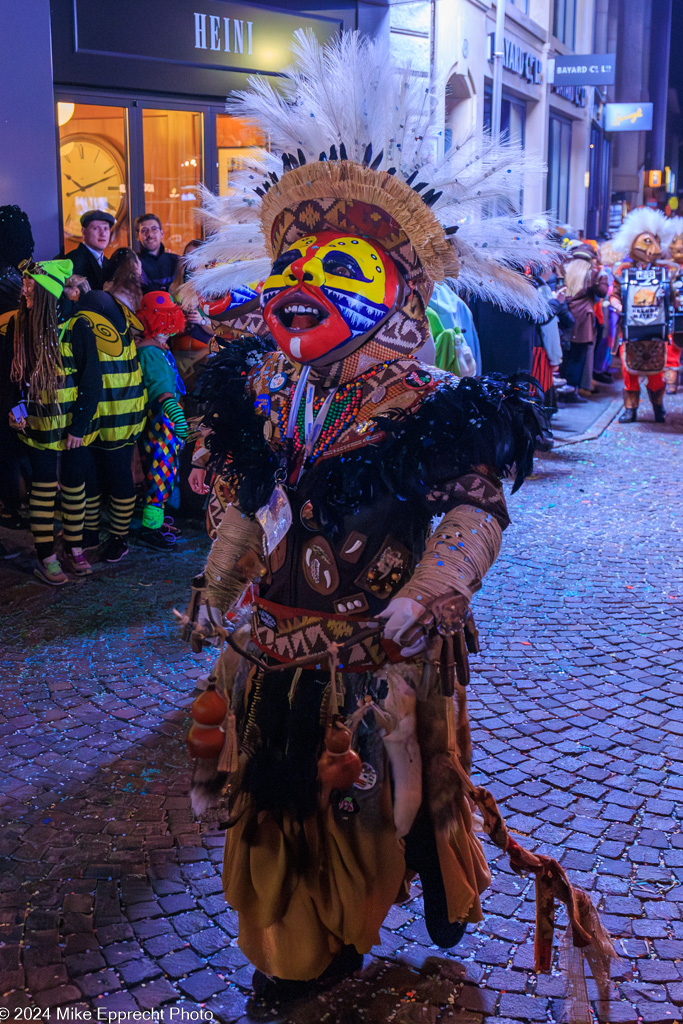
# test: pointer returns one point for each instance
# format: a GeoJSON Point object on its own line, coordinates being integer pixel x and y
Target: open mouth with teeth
{"type": "Point", "coordinates": [299, 312]}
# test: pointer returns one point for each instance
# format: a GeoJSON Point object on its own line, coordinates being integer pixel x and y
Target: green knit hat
{"type": "Point", "coordinates": [50, 274]}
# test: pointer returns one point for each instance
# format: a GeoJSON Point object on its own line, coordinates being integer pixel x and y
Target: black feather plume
{"type": "Point", "coordinates": [236, 430]}
{"type": "Point", "coordinates": [492, 421]}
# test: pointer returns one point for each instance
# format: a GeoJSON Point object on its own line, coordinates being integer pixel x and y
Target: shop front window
{"type": "Point", "coordinates": [512, 117]}
{"type": "Point", "coordinates": [235, 140]}
{"type": "Point", "coordinates": [93, 163]}
{"type": "Point", "coordinates": [564, 21]}
{"type": "Point", "coordinates": [173, 169]}
{"type": "Point", "coordinates": [559, 156]}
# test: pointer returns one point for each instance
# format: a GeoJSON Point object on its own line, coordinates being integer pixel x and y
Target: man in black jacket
{"type": "Point", "coordinates": [88, 258]}
{"type": "Point", "coordinates": [158, 265]}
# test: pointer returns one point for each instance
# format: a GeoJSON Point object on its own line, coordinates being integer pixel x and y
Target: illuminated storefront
{"type": "Point", "coordinates": [140, 104]}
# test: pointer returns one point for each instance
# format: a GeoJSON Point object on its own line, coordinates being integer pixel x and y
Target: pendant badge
{"type": "Point", "coordinates": [275, 519]}
{"type": "Point", "coordinates": [368, 777]}
{"type": "Point", "coordinates": [417, 379]}
{"type": "Point", "coordinates": [262, 405]}
{"type": "Point", "coordinates": [277, 382]}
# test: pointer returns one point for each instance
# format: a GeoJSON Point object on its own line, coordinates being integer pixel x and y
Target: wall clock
{"type": "Point", "coordinates": [93, 178]}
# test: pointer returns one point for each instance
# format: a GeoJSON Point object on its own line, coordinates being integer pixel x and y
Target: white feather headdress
{"type": "Point", "coordinates": [643, 218]}
{"type": "Point", "coordinates": [353, 146]}
{"type": "Point", "coordinates": [674, 230]}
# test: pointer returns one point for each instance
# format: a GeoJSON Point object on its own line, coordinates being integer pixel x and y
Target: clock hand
{"type": "Point", "coordinates": [98, 182]}
{"type": "Point", "coordinates": [74, 181]}
{"type": "Point", "coordinates": [84, 188]}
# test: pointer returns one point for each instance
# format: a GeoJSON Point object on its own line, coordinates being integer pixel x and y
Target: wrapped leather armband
{"type": "Point", "coordinates": [235, 559]}
{"type": "Point", "coordinates": [458, 554]}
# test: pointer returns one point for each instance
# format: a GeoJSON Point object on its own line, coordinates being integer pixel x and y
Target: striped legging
{"type": "Point", "coordinates": [48, 477]}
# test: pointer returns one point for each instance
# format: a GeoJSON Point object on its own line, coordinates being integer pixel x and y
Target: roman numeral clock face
{"type": "Point", "coordinates": [93, 178]}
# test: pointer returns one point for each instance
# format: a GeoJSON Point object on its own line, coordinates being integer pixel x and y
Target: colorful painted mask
{"type": "Point", "coordinates": [327, 293]}
{"type": "Point", "coordinates": [676, 249]}
{"type": "Point", "coordinates": [646, 248]}
{"type": "Point", "coordinates": [241, 299]}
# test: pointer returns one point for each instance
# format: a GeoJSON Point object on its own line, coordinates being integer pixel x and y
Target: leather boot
{"type": "Point", "coordinates": [671, 379]}
{"type": "Point", "coordinates": [631, 401]}
{"type": "Point", "coordinates": [657, 399]}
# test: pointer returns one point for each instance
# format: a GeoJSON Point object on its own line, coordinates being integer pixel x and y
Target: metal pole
{"type": "Point", "coordinates": [498, 51]}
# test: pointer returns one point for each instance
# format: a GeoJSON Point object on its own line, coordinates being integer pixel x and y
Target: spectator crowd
{"type": "Point", "coordinates": [101, 356]}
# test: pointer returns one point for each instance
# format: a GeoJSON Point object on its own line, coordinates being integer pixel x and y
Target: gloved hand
{"type": "Point", "coordinates": [209, 616]}
{"type": "Point", "coordinates": [404, 622]}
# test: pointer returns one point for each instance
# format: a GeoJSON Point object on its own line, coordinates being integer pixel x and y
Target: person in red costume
{"type": "Point", "coordinates": [641, 293]}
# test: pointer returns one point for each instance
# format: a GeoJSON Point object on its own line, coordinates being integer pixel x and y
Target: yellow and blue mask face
{"type": "Point", "coordinates": [328, 291]}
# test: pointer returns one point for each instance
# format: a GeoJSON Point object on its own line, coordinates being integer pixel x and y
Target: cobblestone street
{"type": "Point", "coordinates": [110, 890]}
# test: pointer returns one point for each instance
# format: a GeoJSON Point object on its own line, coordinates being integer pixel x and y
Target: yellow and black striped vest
{"type": "Point", "coordinates": [48, 420]}
{"type": "Point", "coordinates": [120, 414]}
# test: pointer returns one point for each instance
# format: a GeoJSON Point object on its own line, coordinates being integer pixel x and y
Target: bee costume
{"type": "Point", "coordinates": [347, 744]}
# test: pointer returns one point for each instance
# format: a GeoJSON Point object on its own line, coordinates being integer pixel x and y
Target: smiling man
{"type": "Point", "coordinates": [88, 258]}
{"type": "Point", "coordinates": [158, 264]}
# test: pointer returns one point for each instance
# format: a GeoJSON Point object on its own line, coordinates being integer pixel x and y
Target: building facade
{"type": "Point", "coordinates": [552, 122]}
{"type": "Point", "coordinates": [121, 104]}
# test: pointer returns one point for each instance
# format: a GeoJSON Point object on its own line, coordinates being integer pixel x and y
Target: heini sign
{"type": "Point", "coordinates": [212, 32]}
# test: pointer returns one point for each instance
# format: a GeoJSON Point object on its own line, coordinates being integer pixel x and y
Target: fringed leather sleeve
{"type": "Point", "coordinates": [458, 555]}
{"type": "Point", "coordinates": [235, 559]}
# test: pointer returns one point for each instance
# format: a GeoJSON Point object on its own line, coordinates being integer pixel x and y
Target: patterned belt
{"type": "Point", "coordinates": [290, 634]}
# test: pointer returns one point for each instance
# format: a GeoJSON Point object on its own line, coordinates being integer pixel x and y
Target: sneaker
{"type": "Point", "coordinates": [160, 539]}
{"type": "Point", "coordinates": [559, 382]}
{"type": "Point", "coordinates": [76, 562]}
{"type": "Point", "coordinates": [50, 571]}
{"type": "Point", "coordinates": [115, 549]}
{"type": "Point", "coordinates": [5, 552]}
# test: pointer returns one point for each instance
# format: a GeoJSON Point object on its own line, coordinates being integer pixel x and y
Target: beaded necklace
{"type": "Point", "coordinates": [343, 411]}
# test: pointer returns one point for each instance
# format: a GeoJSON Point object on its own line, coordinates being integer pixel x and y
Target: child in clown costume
{"type": "Point", "coordinates": [345, 694]}
{"type": "Point", "coordinates": [166, 428]}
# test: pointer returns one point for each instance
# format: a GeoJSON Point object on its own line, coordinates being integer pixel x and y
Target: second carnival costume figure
{"type": "Point", "coordinates": [642, 292]}
{"type": "Point", "coordinates": [340, 448]}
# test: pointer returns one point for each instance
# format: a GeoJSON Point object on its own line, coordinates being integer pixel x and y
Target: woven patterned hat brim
{"type": "Point", "coordinates": [328, 195]}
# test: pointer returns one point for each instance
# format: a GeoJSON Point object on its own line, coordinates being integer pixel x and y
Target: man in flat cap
{"type": "Point", "coordinates": [88, 259]}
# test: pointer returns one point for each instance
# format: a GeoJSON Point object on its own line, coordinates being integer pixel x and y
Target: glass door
{"type": "Point", "coordinates": [93, 145]}
{"type": "Point", "coordinates": [172, 142]}
{"type": "Point", "coordinates": [235, 138]}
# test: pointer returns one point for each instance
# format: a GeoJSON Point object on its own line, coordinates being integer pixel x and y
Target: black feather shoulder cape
{"type": "Point", "coordinates": [488, 421]}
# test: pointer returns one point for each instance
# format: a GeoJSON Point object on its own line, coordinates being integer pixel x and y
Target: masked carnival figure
{"type": "Point", "coordinates": [346, 738]}
{"type": "Point", "coordinates": [675, 260]}
{"type": "Point", "coordinates": [642, 291]}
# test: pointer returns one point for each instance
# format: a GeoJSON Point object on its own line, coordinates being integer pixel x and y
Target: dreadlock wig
{"type": "Point", "coordinates": [37, 361]}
